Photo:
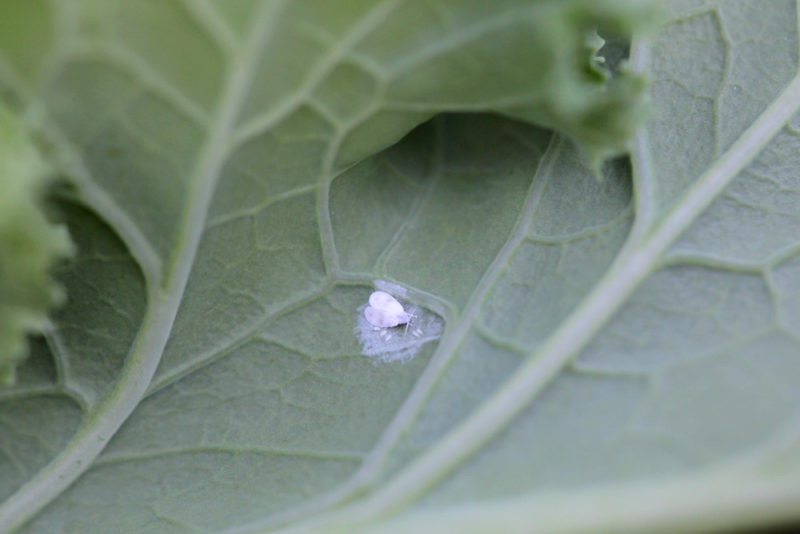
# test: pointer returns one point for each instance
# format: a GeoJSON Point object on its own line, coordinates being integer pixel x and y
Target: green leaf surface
{"type": "Point", "coordinates": [594, 355]}
{"type": "Point", "coordinates": [29, 245]}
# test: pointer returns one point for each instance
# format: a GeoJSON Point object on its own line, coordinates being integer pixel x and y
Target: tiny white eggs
{"type": "Point", "coordinates": [384, 311]}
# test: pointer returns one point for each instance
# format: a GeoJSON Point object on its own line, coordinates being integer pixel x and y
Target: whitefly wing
{"type": "Point", "coordinates": [383, 318]}
{"type": "Point", "coordinates": [384, 301]}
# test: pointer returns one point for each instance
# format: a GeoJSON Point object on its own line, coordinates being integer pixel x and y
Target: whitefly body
{"type": "Point", "coordinates": [385, 312]}
{"type": "Point", "coordinates": [377, 332]}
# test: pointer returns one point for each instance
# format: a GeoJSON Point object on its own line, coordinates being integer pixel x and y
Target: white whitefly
{"type": "Point", "coordinates": [384, 311]}
{"type": "Point", "coordinates": [376, 322]}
